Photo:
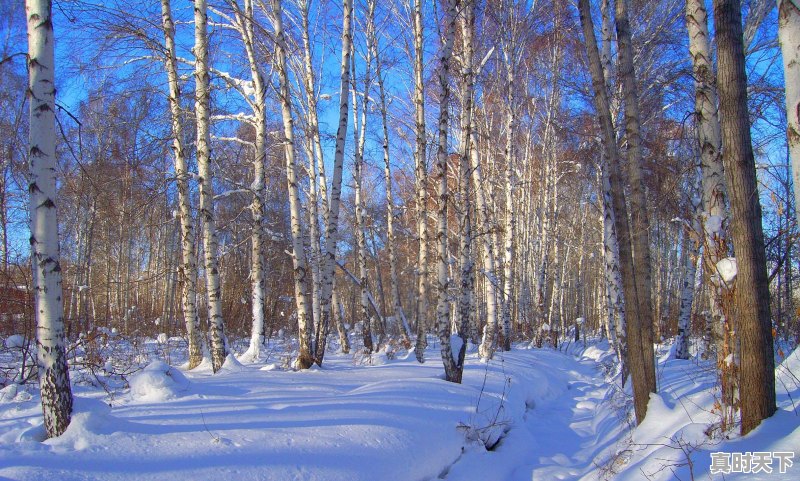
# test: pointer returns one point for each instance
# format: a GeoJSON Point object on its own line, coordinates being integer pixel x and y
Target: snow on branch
{"type": "Point", "coordinates": [241, 117]}
{"type": "Point", "coordinates": [234, 139]}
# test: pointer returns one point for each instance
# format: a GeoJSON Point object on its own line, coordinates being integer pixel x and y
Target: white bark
{"type": "Point", "coordinates": [466, 264]}
{"type": "Point", "coordinates": [306, 355]}
{"type": "Point", "coordinates": [244, 25]}
{"type": "Point", "coordinates": [332, 223]}
{"type": "Point", "coordinates": [690, 252]}
{"type": "Point", "coordinates": [614, 290]}
{"type": "Point", "coordinates": [789, 37]}
{"type": "Point", "coordinates": [359, 140]}
{"type": "Point", "coordinates": [487, 346]}
{"type": "Point", "coordinates": [709, 139]}
{"type": "Point", "coordinates": [219, 349]}
{"type": "Point", "coordinates": [188, 267]}
{"type": "Point", "coordinates": [316, 163]}
{"type": "Point", "coordinates": [453, 370]}
{"type": "Point", "coordinates": [510, 217]}
{"type": "Point", "coordinates": [421, 180]}
{"type": "Point", "coordinates": [50, 350]}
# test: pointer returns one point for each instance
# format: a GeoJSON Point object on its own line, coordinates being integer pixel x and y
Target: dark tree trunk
{"type": "Point", "coordinates": [757, 365]}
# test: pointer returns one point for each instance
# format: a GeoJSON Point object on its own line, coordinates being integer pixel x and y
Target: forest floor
{"type": "Point", "coordinates": [529, 414]}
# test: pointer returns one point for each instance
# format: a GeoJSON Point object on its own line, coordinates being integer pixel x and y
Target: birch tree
{"type": "Point", "coordinates": [452, 353]}
{"type": "Point", "coordinates": [709, 140]}
{"type": "Point", "coordinates": [420, 182]}
{"type": "Point", "coordinates": [332, 218]}
{"type": "Point", "coordinates": [641, 389]}
{"type": "Point", "coordinates": [316, 165]}
{"type": "Point", "coordinates": [243, 23]}
{"type": "Point", "coordinates": [219, 349]}
{"type": "Point", "coordinates": [51, 355]}
{"type": "Point", "coordinates": [359, 140]}
{"type": "Point", "coordinates": [467, 93]}
{"type": "Point", "coordinates": [188, 267]}
{"type": "Point", "coordinates": [789, 38]}
{"type": "Point", "coordinates": [306, 352]}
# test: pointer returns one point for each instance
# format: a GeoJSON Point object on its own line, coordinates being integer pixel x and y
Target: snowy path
{"type": "Point", "coordinates": [558, 438]}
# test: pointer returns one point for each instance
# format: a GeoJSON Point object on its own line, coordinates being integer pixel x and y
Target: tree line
{"type": "Point", "coordinates": [494, 171]}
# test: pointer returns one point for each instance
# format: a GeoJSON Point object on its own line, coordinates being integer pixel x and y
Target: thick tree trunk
{"type": "Point", "coordinates": [757, 373]}
{"type": "Point", "coordinates": [219, 349]}
{"type": "Point", "coordinates": [420, 184]}
{"type": "Point", "coordinates": [305, 356]}
{"type": "Point", "coordinates": [50, 350]}
{"type": "Point", "coordinates": [640, 225]}
{"type": "Point", "coordinates": [188, 268]}
{"type": "Point", "coordinates": [710, 142]}
{"type": "Point", "coordinates": [466, 263]}
{"type": "Point", "coordinates": [641, 389]}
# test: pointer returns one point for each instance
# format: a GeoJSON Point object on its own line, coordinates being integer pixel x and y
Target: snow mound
{"type": "Point", "coordinates": [232, 364]}
{"type": "Point", "coordinates": [13, 393]}
{"type": "Point", "coordinates": [158, 382]}
{"type": "Point", "coordinates": [17, 340]}
{"type": "Point", "coordinates": [91, 422]}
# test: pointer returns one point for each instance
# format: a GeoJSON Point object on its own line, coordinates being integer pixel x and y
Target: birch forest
{"type": "Point", "coordinates": [317, 186]}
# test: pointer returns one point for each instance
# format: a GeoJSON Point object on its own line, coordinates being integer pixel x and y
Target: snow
{"type": "Point", "coordinates": [727, 269]}
{"type": "Point", "coordinates": [158, 382]}
{"type": "Point", "coordinates": [713, 224]}
{"type": "Point", "coordinates": [455, 345]}
{"type": "Point", "coordinates": [15, 341]}
{"type": "Point", "coordinates": [527, 414]}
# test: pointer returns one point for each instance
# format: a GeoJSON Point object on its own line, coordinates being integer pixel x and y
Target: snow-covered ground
{"type": "Point", "coordinates": [529, 414]}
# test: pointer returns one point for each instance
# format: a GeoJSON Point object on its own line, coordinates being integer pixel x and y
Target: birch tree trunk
{"type": "Point", "coordinates": [640, 225]}
{"type": "Point", "coordinates": [359, 139]}
{"type": "Point", "coordinates": [451, 358]}
{"type": "Point", "coordinates": [614, 287]}
{"type": "Point", "coordinates": [245, 26]}
{"type": "Point", "coordinates": [466, 263]}
{"type": "Point", "coordinates": [641, 390]}
{"type": "Point", "coordinates": [420, 183]}
{"type": "Point", "coordinates": [691, 250]}
{"type": "Point", "coordinates": [789, 38]}
{"type": "Point", "coordinates": [338, 317]}
{"type": "Point", "coordinates": [510, 218]}
{"type": "Point", "coordinates": [487, 346]}
{"type": "Point", "coordinates": [710, 142]}
{"type": "Point", "coordinates": [188, 268]}
{"type": "Point", "coordinates": [305, 357]}
{"type": "Point", "coordinates": [219, 349]}
{"type": "Point", "coordinates": [332, 223]}
{"type": "Point", "coordinates": [397, 307]}
{"type": "Point", "coordinates": [316, 164]}
{"type": "Point", "coordinates": [757, 373]}
{"type": "Point", "coordinates": [50, 349]}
